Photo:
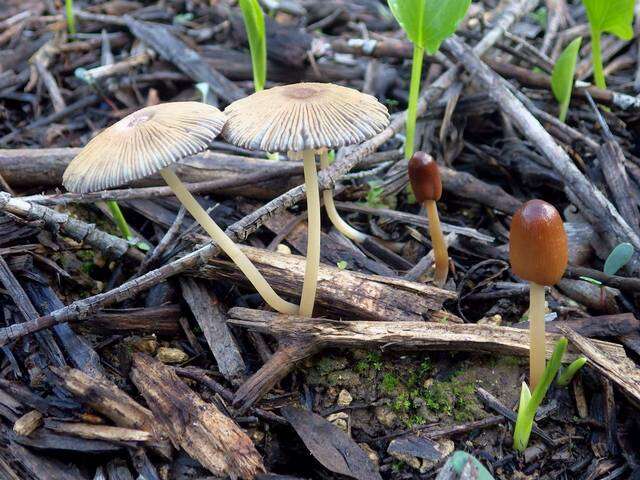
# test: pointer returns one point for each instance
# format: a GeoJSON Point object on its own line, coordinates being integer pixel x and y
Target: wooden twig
{"type": "Point", "coordinates": [89, 234]}
{"type": "Point", "coordinates": [404, 335]}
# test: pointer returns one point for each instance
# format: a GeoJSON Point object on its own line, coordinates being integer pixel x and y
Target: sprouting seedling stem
{"type": "Point", "coordinates": [71, 21]}
{"type": "Point", "coordinates": [414, 92]}
{"type": "Point", "coordinates": [226, 244]}
{"type": "Point", "coordinates": [596, 55]}
{"type": "Point", "coordinates": [118, 217]}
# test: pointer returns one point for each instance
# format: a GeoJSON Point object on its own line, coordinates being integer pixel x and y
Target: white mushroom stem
{"type": "Point", "coordinates": [226, 244]}
{"type": "Point", "coordinates": [537, 353]}
{"type": "Point", "coordinates": [313, 236]}
{"type": "Point", "coordinates": [441, 256]}
{"type": "Point", "coordinates": [337, 221]}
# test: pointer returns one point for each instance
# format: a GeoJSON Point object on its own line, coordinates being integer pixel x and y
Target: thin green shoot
{"type": "Point", "coordinates": [562, 76]}
{"type": "Point", "coordinates": [71, 21]}
{"type": "Point", "coordinates": [529, 402]}
{"type": "Point", "coordinates": [566, 374]}
{"type": "Point", "coordinates": [607, 16]}
{"type": "Point", "coordinates": [427, 24]}
{"type": "Point", "coordinates": [254, 24]}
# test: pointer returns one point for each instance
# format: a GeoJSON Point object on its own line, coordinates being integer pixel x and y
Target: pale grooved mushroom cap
{"type": "Point", "coordinates": [142, 144]}
{"type": "Point", "coordinates": [304, 116]}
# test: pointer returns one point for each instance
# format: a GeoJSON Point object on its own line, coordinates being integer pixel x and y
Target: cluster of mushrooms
{"type": "Point", "coordinates": [302, 120]}
{"type": "Point", "coordinates": [305, 120]}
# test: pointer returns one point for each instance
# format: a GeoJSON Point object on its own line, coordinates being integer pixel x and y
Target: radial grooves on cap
{"type": "Point", "coordinates": [143, 143]}
{"type": "Point", "coordinates": [304, 116]}
{"type": "Point", "coordinates": [538, 249]}
{"type": "Point", "coordinates": [424, 176]}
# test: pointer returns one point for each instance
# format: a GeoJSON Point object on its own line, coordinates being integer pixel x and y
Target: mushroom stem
{"type": "Point", "coordinates": [226, 244]}
{"type": "Point", "coordinates": [439, 244]}
{"type": "Point", "coordinates": [313, 236]}
{"type": "Point", "coordinates": [337, 221]}
{"type": "Point", "coordinates": [538, 350]}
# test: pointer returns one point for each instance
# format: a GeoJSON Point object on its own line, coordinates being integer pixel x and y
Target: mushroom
{"type": "Point", "coordinates": [538, 253]}
{"type": "Point", "coordinates": [427, 188]}
{"type": "Point", "coordinates": [149, 141]}
{"type": "Point", "coordinates": [301, 120]}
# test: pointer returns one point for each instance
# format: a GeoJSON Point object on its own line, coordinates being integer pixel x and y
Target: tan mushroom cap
{"type": "Point", "coordinates": [142, 144]}
{"type": "Point", "coordinates": [304, 116]}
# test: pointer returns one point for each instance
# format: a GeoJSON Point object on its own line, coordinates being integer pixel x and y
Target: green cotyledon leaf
{"type": "Point", "coordinates": [429, 22]}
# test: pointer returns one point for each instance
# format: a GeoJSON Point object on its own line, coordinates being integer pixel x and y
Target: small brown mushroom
{"type": "Point", "coordinates": [149, 141]}
{"type": "Point", "coordinates": [304, 119]}
{"type": "Point", "coordinates": [538, 253]}
{"type": "Point", "coordinates": [427, 188]}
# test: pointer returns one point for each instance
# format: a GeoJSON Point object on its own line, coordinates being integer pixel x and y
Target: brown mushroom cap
{"type": "Point", "coordinates": [304, 116]}
{"type": "Point", "coordinates": [424, 176]}
{"type": "Point", "coordinates": [142, 144]}
{"type": "Point", "coordinates": [538, 243]}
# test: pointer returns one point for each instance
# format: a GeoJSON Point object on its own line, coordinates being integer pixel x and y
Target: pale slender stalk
{"type": "Point", "coordinates": [118, 217]}
{"type": "Point", "coordinates": [313, 236]}
{"type": "Point", "coordinates": [596, 59]}
{"type": "Point", "coordinates": [536, 334]}
{"type": "Point", "coordinates": [412, 108]}
{"type": "Point", "coordinates": [226, 244]}
{"type": "Point", "coordinates": [327, 196]}
{"type": "Point", "coordinates": [440, 253]}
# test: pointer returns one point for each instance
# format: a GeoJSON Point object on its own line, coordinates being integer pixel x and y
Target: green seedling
{"type": "Point", "coordinates": [566, 374]}
{"type": "Point", "coordinates": [562, 76]}
{"type": "Point", "coordinates": [529, 402]}
{"type": "Point", "coordinates": [254, 25]}
{"type": "Point", "coordinates": [427, 24]}
{"type": "Point", "coordinates": [342, 264]}
{"type": "Point", "coordinates": [71, 21]}
{"type": "Point", "coordinates": [618, 258]}
{"type": "Point", "coordinates": [607, 16]}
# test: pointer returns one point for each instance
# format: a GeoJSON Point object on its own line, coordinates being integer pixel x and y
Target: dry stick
{"type": "Point", "coordinates": [81, 309]}
{"type": "Point", "coordinates": [78, 230]}
{"type": "Point", "coordinates": [577, 186]}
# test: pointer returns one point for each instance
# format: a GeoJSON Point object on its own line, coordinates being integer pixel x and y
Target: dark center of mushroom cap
{"type": "Point", "coordinates": [301, 92]}
{"type": "Point", "coordinates": [138, 118]}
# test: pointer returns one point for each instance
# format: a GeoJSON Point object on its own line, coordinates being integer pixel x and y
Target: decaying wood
{"type": "Point", "coordinates": [106, 398]}
{"type": "Point", "coordinates": [341, 291]}
{"type": "Point", "coordinates": [198, 427]}
{"type": "Point", "coordinates": [404, 335]}
{"type": "Point", "coordinates": [623, 373]}
{"type": "Point", "coordinates": [64, 223]}
{"type": "Point", "coordinates": [211, 318]}
{"type": "Point", "coordinates": [162, 320]}
{"type": "Point", "coordinates": [27, 423]}
{"type": "Point", "coordinates": [99, 432]}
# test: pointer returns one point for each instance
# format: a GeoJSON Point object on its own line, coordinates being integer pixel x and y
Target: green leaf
{"type": "Point", "coordinates": [618, 258]}
{"type": "Point", "coordinates": [429, 22]}
{"type": "Point", "coordinates": [254, 24]}
{"type": "Point", "coordinates": [612, 16]}
{"type": "Point", "coordinates": [342, 264]}
{"type": "Point", "coordinates": [563, 74]}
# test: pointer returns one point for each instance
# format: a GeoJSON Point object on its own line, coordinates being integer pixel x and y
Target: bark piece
{"type": "Point", "coordinates": [340, 291]}
{"type": "Point", "coordinates": [198, 427]}
{"type": "Point", "coordinates": [212, 320]}
{"type": "Point", "coordinates": [27, 423]}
